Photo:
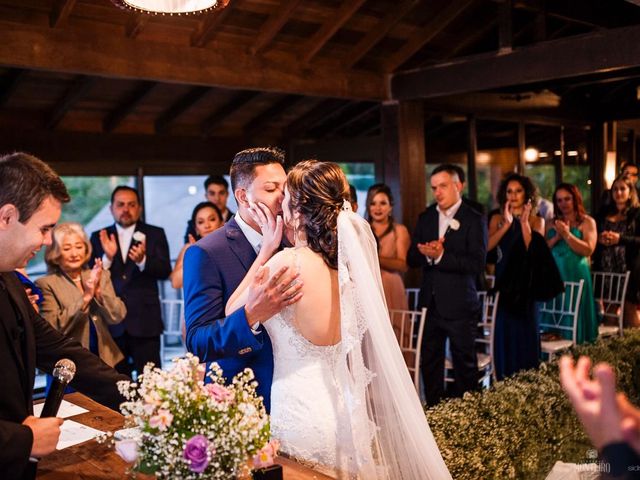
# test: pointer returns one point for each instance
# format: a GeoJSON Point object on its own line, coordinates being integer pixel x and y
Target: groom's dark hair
{"type": "Point", "coordinates": [244, 164]}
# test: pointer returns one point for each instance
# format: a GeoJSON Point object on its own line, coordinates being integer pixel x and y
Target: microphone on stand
{"type": "Point", "coordinates": [63, 373]}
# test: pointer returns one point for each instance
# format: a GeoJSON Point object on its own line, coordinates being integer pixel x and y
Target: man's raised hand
{"type": "Point", "coordinates": [268, 297]}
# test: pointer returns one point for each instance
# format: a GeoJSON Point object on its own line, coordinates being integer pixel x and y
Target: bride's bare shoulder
{"type": "Point", "coordinates": [283, 258]}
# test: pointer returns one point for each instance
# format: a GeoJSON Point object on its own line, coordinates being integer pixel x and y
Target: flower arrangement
{"type": "Point", "coordinates": [521, 426]}
{"type": "Point", "coordinates": [184, 429]}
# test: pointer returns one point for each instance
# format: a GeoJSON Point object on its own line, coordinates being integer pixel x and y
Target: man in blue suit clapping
{"type": "Point", "coordinates": [216, 265]}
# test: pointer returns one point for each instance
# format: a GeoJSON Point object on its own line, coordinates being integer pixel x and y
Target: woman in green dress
{"type": "Point", "coordinates": [572, 238]}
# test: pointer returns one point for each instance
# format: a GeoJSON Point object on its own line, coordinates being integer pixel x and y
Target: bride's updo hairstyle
{"type": "Point", "coordinates": [317, 191]}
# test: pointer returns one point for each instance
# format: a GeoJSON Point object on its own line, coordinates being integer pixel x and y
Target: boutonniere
{"type": "Point", "coordinates": [454, 224]}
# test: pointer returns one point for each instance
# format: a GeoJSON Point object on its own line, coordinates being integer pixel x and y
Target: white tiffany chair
{"type": "Point", "coordinates": [409, 327]}
{"type": "Point", "coordinates": [609, 290]}
{"type": "Point", "coordinates": [413, 295]}
{"type": "Point", "coordinates": [173, 318]}
{"type": "Point", "coordinates": [484, 341]}
{"type": "Point", "coordinates": [564, 306]}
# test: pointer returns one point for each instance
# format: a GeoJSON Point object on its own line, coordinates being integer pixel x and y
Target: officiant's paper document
{"type": "Point", "coordinates": [73, 433]}
{"type": "Point", "coordinates": [67, 409]}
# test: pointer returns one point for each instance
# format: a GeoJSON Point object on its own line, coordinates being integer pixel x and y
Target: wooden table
{"type": "Point", "coordinates": [97, 462]}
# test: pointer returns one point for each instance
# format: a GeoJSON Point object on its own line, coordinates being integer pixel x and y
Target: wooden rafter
{"type": "Point", "coordinates": [9, 82]}
{"type": "Point", "coordinates": [81, 85]}
{"type": "Point", "coordinates": [237, 102]}
{"type": "Point", "coordinates": [329, 28]}
{"type": "Point", "coordinates": [83, 153]}
{"type": "Point", "coordinates": [378, 33]}
{"type": "Point", "coordinates": [135, 24]}
{"type": "Point", "coordinates": [127, 106]}
{"type": "Point", "coordinates": [60, 11]}
{"type": "Point", "coordinates": [357, 115]}
{"type": "Point", "coordinates": [578, 56]}
{"type": "Point", "coordinates": [208, 27]}
{"type": "Point", "coordinates": [315, 116]}
{"type": "Point", "coordinates": [84, 53]}
{"type": "Point", "coordinates": [174, 111]}
{"type": "Point", "coordinates": [475, 36]}
{"type": "Point", "coordinates": [272, 26]}
{"type": "Point", "coordinates": [333, 122]}
{"type": "Point", "coordinates": [426, 33]}
{"type": "Point", "coordinates": [505, 30]}
{"type": "Point", "coordinates": [270, 113]}
{"type": "Point", "coordinates": [575, 16]}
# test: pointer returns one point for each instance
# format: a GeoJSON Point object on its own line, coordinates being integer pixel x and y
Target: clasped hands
{"type": "Point", "coordinates": [562, 228]}
{"type": "Point", "coordinates": [432, 249]}
{"type": "Point", "coordinates": [136, 253]}
{"type": "Point", "coordinates": [609, 238]}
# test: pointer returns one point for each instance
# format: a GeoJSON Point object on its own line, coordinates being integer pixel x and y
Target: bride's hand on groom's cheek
{"type": "Point", "coordinates": [271, 228]}
{"type": "Point", "coordinates": [267, 296]}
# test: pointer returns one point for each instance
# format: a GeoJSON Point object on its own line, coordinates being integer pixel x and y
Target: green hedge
{"type": "Point", "coordinates": [524, 424]}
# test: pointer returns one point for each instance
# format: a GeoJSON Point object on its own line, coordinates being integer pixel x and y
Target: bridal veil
{"type": "Point", "coordinates": [389, 430]}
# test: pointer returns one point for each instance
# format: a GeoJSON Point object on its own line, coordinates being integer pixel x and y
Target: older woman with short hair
{"type": "Point", "coordinates": [80, 302]}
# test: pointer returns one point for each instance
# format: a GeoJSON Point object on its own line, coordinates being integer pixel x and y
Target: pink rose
{"type": "Point", "coordinates": [162, 420]}
{"type": "Point", "coordinates": [220, 393]}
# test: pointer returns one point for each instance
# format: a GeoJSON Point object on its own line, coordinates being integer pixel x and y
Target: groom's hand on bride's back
{"type": "Point", "coordinates": [267, 296]}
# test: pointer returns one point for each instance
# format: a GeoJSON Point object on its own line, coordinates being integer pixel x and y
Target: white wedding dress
{"type": "Point", "coordinates": [351, 410]}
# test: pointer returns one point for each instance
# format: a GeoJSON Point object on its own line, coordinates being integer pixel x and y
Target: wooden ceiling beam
{"type": "Point", "coordinates": [83, 53]}
{"type": "Point", "coordinates": [81, 85]}
{"type": "Point", "coordinates": [270, 113]}
{"type": "Point", "coordinates": [135, 24]}
{"type": "Point", "coordinates": [376, 34]}
{"type": "Point", "coordinates": [315, 116]}
{"type": "Point", "coordinates": [82, 153]}
{"type": "Point", "coordinates": [178, 108]}
{"type": "Point", "coordinates": [577, 56]}
{"type": "Point", "coordinates": [362, 111]}
{"type": "Point", "coordinates": [329, 28]}
{"type": "Point", "coordinates": [60, 12]}
{"type": "Point", "coordinates": [127, 106]}
{"type": "Point", "coordinates": [9, 83]}
{"type": "Point", "coordinates": [237, 102]}
{"type": "Point", "coordinates": [575, 15]}
{"type": "Point", "coordinates": [209, 26]}
{"type": "Point", "coordinates": [272, 26]}
{"type": "Point", "coordinates": [426, 33]}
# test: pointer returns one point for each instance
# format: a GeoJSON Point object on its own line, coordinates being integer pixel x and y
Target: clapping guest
{"type": "Point", "coordinates": [78, 301]}
{"type": "Point", "coordinates": [206, 218]}
{"type": "Point", "coordinates": [393, 243]}
{"type": "Point", "coordinates": [619, 242]}
{"type": "Point", "coordinates": [511, 231]}
{"type": "Point", "coordinates": [572, 238]}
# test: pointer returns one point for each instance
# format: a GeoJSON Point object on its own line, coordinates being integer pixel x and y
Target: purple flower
{"type": "Point", "coordinates": [195, 451]}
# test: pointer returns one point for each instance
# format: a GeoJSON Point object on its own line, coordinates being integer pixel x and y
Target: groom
{"type": "Point", "coordinates": [217, 264]}
{"type": "Point", "coordinates": [450, 244]}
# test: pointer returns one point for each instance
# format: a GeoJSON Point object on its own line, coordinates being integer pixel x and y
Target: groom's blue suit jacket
{"type": "Point", "coordinates": [213, 269]}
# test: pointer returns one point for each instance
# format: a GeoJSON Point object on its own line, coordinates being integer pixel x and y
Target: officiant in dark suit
{"type": "Point", "coordinates": [137, 255]}
{"type": "Point", "coordinates": [450, 244]}
{"type": "Point", "coordinates": [31, 197]}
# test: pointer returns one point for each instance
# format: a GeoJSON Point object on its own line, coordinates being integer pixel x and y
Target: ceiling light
{"type": "Point", "coordinates": [531, 154]}
{"type": "Point", "coordinates": [171, 7]}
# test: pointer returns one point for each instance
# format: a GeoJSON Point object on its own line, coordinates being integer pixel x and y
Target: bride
{"type": "Point", "coordinates": [342, 399]}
